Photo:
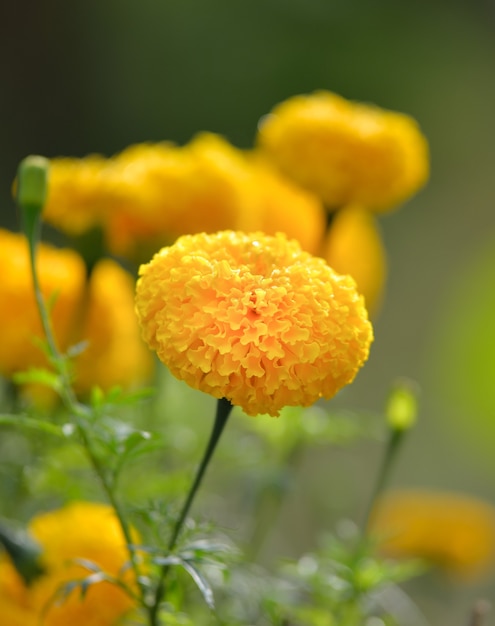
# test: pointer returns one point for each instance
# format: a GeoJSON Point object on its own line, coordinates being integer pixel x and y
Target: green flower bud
{"type": "Point", "coordinates": [402, 406]}
{"type": "Point", "coordinates": [32, 183]}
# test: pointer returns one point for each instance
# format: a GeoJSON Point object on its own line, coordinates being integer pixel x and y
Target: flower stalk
{"type": "Point", "coordinates": [224, 408]}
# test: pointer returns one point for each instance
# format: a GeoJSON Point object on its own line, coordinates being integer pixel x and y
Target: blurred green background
{"type": "Point", "coordinates": [85, 77]}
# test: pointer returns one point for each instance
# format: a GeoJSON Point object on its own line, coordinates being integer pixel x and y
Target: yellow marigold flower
{"type": "Point", "coordinates": [80, 530]}
{"type": "Point", "coordinates": [452, 531]}
{"type": "Point", "coordinates": [345, 151]}
{"type": "Point", "coordinates": [252, 318]}
{"type": "Point", "coordinates": [115, 354]}
{"type": "Point", "coordinates": [172, 191]}
{"type": "Point", "coordinates": [80, 194]}
{"type": "Point", "coordinates": [61, 276]}
{"type": "Point", "coordinates": [354, 246]}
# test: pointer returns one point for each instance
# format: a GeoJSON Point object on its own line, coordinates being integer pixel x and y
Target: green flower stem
{"type": "Point", "coordinates": [31, 212]}
{"type": "Point", "coordinates": [223, 411]}
{"type": "Point", "coordinates": [394, 441]}
{"type": "Point", "coordinates": [224, 407]}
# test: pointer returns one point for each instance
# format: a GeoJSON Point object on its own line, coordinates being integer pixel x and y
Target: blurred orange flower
{"type": "Point", "coordinates": [452, 531]}
{"type": "Point", "coordinates": [80, 530]}
{"type": "Point", "coordinates": [346, 152]}
{"type": "Point", "coordinates": [252, 318]}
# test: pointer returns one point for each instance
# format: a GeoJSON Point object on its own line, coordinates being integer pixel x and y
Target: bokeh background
{"type": "Point", "coordinates": [96, 76]}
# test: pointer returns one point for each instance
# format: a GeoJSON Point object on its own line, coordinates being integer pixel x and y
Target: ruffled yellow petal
{"type": "Point", "coordinates": [252, 318]}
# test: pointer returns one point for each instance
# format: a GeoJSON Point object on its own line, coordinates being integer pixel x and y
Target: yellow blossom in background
{"type": "Point", "coordinates": [150, 194]}
{"type": "Point", "coordinates": [202, 186]}
{"type": "Point", "coordinates": [353, 245]}
{"type": "Point", "coordinates": [80, 530]}
{"type": "Point", "coordinates": [452, 531]}
{"type": "Point", "coordinates": [61, 274]}
{"type": "Point", "coordinates": [253, 319]}
{"type": "Point", "coordinates": [346, 152]}
{"type": "Point", "coordinates": [100, 313]}
{"type": "Point", "coordinates": [80, 194]}
{"type": "Point", "coordinates": [115, 353]}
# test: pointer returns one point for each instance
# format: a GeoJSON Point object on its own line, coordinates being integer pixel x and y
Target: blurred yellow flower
{"type": "Point", "coordinates": [345, 151]}
{"type": "Point", "coordinates": [150, 194]}
{"type": "Point", "coordinates": [80, 194]}
{"type": "Point", "coordinates": [62, 276]}
{"type": "Point", "coordinates": [354, 246]}
{"type": "Point", "coordinates": [252, 318]}
{"type": "Point", "coordinates": [115, 354]}
{"type": "Point", "coordinates": [452, 531]}
{"type": "Point", "coordinates": [173, 190]}
{"type": "Point", "coordinates": [80, 530]}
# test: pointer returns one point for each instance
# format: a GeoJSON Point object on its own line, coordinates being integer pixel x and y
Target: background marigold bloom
{"type": "Point", "coordinates": [80, 194]}
{"type": "Point", "coordinates": [354, 246]}
{"type": "Point", "coordinates": [115, 354]}
{"type": "Point", "coordinates": [62, 276]}
{"type": "Point", "coordinates": [452, 531]}
{"type": "Point", "coordinates": [252, 318]}
{"type": "Point", "coordinates": [80, 530]}
{"type": "Point", "coordinates": [345, 151]}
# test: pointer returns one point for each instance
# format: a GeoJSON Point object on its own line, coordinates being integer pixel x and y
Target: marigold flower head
{"type": "Point", "coordinates": [345, 151]}
{"type": "Point", "coordinates": [252, 318]}
{"type": "Point", "coordinates": [354, 246]}
{"type": "Point", "coordinates": [81, 530]}
{"type": "Point", "coordinates": [61, 274]}
{"type": "Point", "coordinates": [453, 531]}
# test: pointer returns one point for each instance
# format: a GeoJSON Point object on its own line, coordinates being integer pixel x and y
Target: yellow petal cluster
{"type": "Point", "coordinates": [452, 531]}
{"type": "Point", "coordinates": [346, 152]}
{"type": "Point", "coordinates": [252, 318]}
{"type": "Point", "coordinates": [62, 276]}
{"type": "Point", "coordinates": [150, 194]}
{"type": "Point", "coordinates": [81, 530]}
{"type": "Point", "coordinates": [353, 245]}
{"type": "Point", "coordinates": [80, 311]}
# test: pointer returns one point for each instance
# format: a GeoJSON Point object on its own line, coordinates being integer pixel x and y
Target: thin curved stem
{"type": "Point", "coordinates": [224, 407]}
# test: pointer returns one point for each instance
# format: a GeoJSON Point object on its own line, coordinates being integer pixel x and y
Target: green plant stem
{"type": "Point", "coordinates": [79, 412]}
{"type": "Point", "coordinates": [391, 449]}
{"type": "Point", "coordinates": [224, 407]}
